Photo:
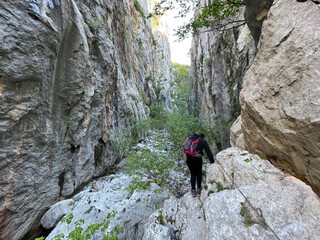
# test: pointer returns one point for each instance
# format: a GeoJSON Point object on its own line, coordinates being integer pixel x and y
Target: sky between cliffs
{"type": "Point", "coordinates": [180, 51]}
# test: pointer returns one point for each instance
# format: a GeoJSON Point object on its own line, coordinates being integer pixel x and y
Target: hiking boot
{"type": "Point", "coordinates": [199, 191]}
{"type": "Point", "coordinates": [193, 192]}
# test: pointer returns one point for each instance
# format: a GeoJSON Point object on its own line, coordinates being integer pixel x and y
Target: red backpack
{"type": "Point", "coordinates": [190, 146]}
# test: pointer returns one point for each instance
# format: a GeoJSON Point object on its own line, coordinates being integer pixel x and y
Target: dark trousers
{"type": "Point", "coordinates": [195, 166]}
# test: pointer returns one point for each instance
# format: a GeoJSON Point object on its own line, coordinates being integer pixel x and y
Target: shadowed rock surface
{"type": "Point", "coordinates": [72, 74]}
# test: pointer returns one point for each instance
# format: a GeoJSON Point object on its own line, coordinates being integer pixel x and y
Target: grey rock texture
{"type": "Point", "coordinates": [132, 209]}
{"type": "Point", "coordinates": [218, 63]}
{"type": "Point", "coordinates": [280, 97]}
{"type": "Point", "coordinates": [283, 203]}
{"type": "Point", "coordinates": [72, 74]}
{"type": "Point", "coordinates": [236, 134]}
{"type": "Point", "coordinates": [56, 212]}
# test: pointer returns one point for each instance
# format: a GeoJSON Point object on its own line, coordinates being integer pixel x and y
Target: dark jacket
{"type": "Point", "coordinates": [203, 145]}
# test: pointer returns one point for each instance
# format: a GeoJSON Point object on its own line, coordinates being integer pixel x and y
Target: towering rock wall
{"type": "Point", "coordinates": [72, 73]}
{"type": "Point", "coordinates": [218, 63]}
{"type": "Point", "coordinates": [280, 97]}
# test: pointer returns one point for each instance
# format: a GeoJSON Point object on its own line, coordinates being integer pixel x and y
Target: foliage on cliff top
{"type": "Point", "coordinates": [218, 14]}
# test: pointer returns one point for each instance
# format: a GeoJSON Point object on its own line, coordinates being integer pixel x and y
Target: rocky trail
{"type": "Point", "coordinates": [79, 78]}
{"type": "Point", "coordinates": [243, 197]}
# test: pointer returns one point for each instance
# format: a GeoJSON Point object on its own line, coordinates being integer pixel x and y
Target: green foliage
{"type": "Point", "coordinates": [68, 218]}
{"type": "Point", "coordinates": [245, 213]}
{"type": "Point", "coordinates": [217, 15]}
{"type": "Point", "coordinates": [78, 234]}
{"type": "Point", "coordinates": [247, 160]}
{"type": "Point", "coordinates": [180, 124]}
{"type": "Point", "coordinates": [94, 24]}
{"type": "Point", "coordinates": [158, 116]}
{"type": "Point", "coordinates": [160, 217]}
{"type": "Point", "coordinates": [205, 186]}
{"type": "Point", "coordinates": [208, 62]}
{"type": "Point", "coordinates": [201, 57]}
{"type": "Point", "coordinates": [180, 89]}
{"type": "Point", "coordinates": [219, 185]}
{"type": "Point", "coordinates": [147, 166]}
{"type": "Point", "coordinates": [210, 192]}
{"type": "Point", "coordinates": [58, 237]}
{"type": "Point", "coordinates": [139, 8]}
{"type": "Point", "coordinates": [120, 143]}
{"type": "Point", "coordinates": [170, 219]}
{"type": "Point", "coordinates": [69, 121]}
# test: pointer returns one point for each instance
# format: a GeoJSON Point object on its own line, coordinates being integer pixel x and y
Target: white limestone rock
{"type": "Point", "coordinates": [56, 212]}
{"type": "Point", "coordinates": [132, 209]}
{"type": "Point", "coordinates": [236, 134]}
{"type": "Point", "coordinates": [283, 203]}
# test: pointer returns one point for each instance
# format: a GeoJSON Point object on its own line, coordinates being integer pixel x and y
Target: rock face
{"type": "Point", "coordinates": [218, 63]}
{"type": "Point", "coordinates": [280, 97]}
{"type": "Point", "coordinates": [222, 212]}
{"type": "Point", "coordinates": [72, 73]}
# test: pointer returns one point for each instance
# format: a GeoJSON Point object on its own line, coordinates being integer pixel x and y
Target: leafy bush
{"type": "Point", "coordinates": [180, 88]}
{"type": "Point", "coordinates": [147, 166]}
{"type": "Point", "coordinates": [180, 124]}
{"type": "Point", "coordinates": [78, 234]}
{"type": "Point", "coordinates": [158, 116]}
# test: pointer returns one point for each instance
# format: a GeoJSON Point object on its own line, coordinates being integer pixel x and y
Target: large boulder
{"type": "Point", "coordinates": [56, 212]}
{"type": "Point", "coordinates": [280, 96]}
{"type": "Point", "coordinates": [244, 197]}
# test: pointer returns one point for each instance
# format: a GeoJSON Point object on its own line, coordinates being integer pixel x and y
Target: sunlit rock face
{"type": "Point", "coordinates": [218, 63]}
{"type": "Point", "coordinates": [280, 97]}
{"type": "Point", "coordinates": [72, 73]}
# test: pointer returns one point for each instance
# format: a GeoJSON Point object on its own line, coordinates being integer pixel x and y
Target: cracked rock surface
{"type": "Point", "coordinates": [285, 204]}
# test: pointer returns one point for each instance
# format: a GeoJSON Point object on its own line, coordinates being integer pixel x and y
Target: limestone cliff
{"type": "Point", "coordinates": [218, 63]}
{"type": "Point", "coordinates": [72, 73]}
{"type": "Point", "coordinates": [280, 97]}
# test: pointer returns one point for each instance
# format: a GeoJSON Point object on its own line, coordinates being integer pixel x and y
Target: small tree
{"type": "Point", "coordinates": [217, 15]}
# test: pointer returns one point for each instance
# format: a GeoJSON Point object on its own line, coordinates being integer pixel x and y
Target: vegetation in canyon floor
{"type": "Point", "coordinates": [78, 232]}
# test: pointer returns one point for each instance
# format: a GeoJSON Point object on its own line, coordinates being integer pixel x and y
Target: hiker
{"type": "Point", "coordinates": [195, 162]}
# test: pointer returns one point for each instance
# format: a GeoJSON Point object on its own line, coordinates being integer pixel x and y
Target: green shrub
{"type": "Point", "coordinates": [158, 116]}
{"type": "Point", "coordinates": [78, 234]}
{"type": "Point", "coordinates": [147, 166]}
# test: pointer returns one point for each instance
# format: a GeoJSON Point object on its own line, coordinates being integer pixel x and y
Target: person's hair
{"type": "Point", "coordinates": [201, 135]}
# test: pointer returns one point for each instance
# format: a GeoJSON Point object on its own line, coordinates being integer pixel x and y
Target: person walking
{"type": "Point", "coordinates": [194, 159]}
